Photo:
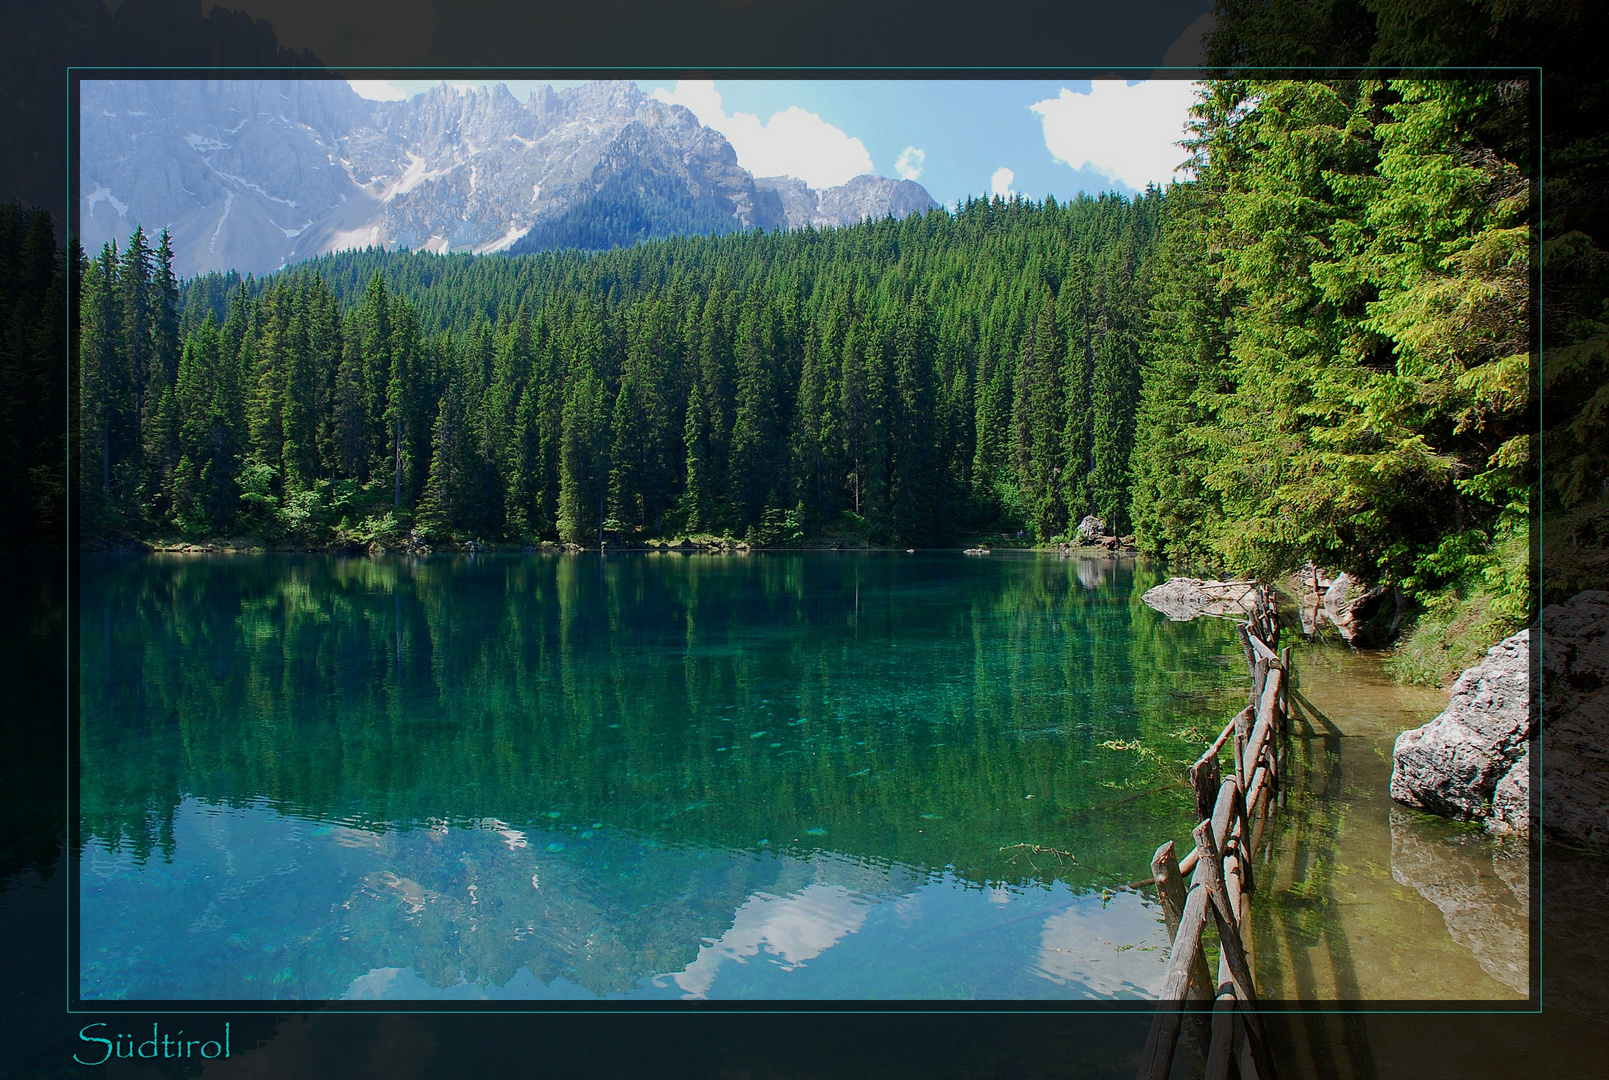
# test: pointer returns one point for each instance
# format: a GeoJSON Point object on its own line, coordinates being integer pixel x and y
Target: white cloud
{"type": "Point", "coordinates": [376, 89]}
{"type": "Point", "coordinates": [793, 929]}
{"type": "Point", "coordinates": [909, 165]}
{"type": "Point", "coordinates": [1126, 133]}
{"type": "Point", "coordinates": [792, 143]}
{"type": "Point", "coordinates": [1000, 182]}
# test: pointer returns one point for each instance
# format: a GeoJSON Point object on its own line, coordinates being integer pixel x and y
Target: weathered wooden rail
{"type": "Point", "coordinates": [1222, 1015]}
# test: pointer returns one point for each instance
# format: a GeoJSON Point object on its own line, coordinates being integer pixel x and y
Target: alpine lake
{"type": "Point", "coordinates": [796, 776]}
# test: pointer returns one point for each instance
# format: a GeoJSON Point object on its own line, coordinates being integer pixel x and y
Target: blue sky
{"type": "Point", "coordinates": [955, 137]}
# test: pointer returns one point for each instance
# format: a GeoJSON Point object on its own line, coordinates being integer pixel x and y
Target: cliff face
{"type": "Point", "coordinates": [254, 175]}
{"type": "Point", "coordinates": [860, 198]}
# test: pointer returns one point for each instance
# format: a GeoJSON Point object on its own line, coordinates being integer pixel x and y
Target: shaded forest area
{"type": "Point", "coordinates": [33, 394]}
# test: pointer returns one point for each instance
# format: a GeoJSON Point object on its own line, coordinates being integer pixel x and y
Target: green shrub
{"type": "Point", "coordinates": [1457, 623]}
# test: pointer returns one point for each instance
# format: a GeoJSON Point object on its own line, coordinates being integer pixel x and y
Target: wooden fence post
{"type": "Point", "coordinates": [1156, 1060]}
{"type": "Point", "coordinates": [1284, 718]}
{"type": "Point", "coordinates": [1243, 725]}
{"type": "Point", "coordinates": [1204, 779]}
{"type": "Point", "coordinates": [1223, 913]}
{"type": "Point", "coordinates": [1285, 685]}
{"type": "Point", "coordinates": [1221, 1049]}
{"type": "Point", "coordinates": [1234, 813]}
{"type": "Point", "coordinates": [1259, 679]}
{"type": "Point", "coordinates": [1243, 841]}
{"type": "Point", "coordinates": [1172, 891]}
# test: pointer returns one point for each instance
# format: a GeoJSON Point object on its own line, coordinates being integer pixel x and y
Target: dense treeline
{"type": "Point", "coordinates": [1340, 367]}
{"type": "Point", "coordinates": [975, 370]}
{"type": "Point", "coordinates": [1567, 138]}
{"type": "Point", "coordinates": [1319, 348]}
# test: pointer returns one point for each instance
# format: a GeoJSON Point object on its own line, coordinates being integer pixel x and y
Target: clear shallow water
{"type": "Point", "coordinates": [1368, 899]}
{"type": "Point", "coordinates": [783, 776]}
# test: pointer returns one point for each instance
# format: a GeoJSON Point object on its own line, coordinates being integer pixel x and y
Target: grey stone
{"type": "Point", "coordinates": [1452, 765]}
{"type": "Point", "coordinates": [1511, 800]}
{"type": "Point", "coordinates": [1349, 603]}
{"type": "Point", "coordinates": [1575, 648]}
{"type": "Point", "coordinates": [1183, 599]}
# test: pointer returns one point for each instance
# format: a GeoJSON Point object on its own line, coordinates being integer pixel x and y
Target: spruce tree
{"type": "Point", "coordinates": [135, 340]}
{"type": "Point", "coordinates": [106, 398]}
{"type": "Point", "coordinates": [583, 461]}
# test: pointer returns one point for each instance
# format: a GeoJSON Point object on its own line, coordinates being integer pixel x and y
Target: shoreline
{"type": "Point", "coordinates": [549, 547]}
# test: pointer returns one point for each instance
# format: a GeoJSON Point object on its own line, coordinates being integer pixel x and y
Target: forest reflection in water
{"type": "Point", "coordinates": [881, 775]}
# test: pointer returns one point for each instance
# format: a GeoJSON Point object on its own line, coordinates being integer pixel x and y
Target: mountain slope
{"type": "Point", "coordinates": [254, 175]}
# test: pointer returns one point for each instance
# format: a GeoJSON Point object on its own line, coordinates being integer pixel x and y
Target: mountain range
{"type": "Point", "coordinates": [254, 175]}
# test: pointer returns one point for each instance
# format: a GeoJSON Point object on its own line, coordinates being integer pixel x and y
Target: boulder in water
{"type": "Point", "coordinates": [1452, 765]}
{"type": "Point", "coordinates": [1349, 604]}
{"type": "Point", "coordinates": [1183, 599]}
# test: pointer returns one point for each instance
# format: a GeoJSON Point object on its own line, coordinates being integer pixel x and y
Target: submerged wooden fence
{"type": "Point", "coordinates": [1234, 811]}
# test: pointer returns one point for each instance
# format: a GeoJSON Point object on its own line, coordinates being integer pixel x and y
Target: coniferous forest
{"type": "Point", "coordinates": [1318, 349]}
{"type": "Point", "coordinates": [926, 376]}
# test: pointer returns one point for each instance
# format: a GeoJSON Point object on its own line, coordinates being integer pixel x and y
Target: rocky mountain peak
{"type": "Point", "coordinates": [605, 97]}
{"type": "Point", "coordinates": [253, 175]}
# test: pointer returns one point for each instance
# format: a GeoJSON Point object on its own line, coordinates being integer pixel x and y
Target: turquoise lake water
{"type": "Point", "coordinates": [859, 776]}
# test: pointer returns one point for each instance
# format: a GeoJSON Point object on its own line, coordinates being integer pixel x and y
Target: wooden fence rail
{"type": "Point", "coordinates": [1234, 812]}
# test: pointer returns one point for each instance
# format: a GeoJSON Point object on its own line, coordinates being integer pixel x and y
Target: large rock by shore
{"type": "Point", "coordinates": [1452, 765]}
{"type": "Point", "coordinates": [1473, 761]}
{"type": "Point", "coordinates": [1183, 599]}
{"type": "Point", "coordinates": [1350, 604]}
{"type": "Point", "coordinates": [1356, 609]}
